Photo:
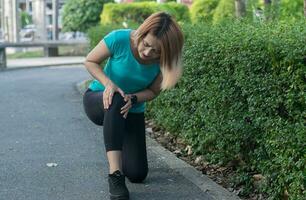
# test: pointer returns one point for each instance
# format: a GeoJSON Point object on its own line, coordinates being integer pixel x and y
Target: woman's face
{"type": "Point", "coordinates": [149, 48]}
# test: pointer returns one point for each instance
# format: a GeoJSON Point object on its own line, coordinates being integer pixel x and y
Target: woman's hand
{"type": "Point", "coordinates": [125, 109]}
{"type": "Point", "coordinates": [110, 89]}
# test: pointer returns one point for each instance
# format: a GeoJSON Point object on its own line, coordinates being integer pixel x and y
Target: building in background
{"type": "Point", "coordinates": [9, 17]}
{"type": "Point", "coordinates": [45, 22]}
{"type": "Point", "coordinates": [42, 17]}
{"type": "Point", "coordinates": [1, 22]}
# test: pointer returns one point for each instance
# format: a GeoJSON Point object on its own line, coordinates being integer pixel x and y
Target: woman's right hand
{"type": "Point", "coordinates": [108, 93]}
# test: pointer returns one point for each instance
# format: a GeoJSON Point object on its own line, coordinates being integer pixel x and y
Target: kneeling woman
{"type": "Point", "coordinates": [141, 63]}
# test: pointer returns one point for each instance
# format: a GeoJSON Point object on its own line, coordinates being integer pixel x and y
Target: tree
{"type": "Point", "coordinates": [224, 11]}
{"type": "Point", "coordinates": [268, 2]}
{"type": "Point", "coordinates": [305, 8]}
{"type": "Point", "coordinates": [291, 9]}
{"type": "Point", "coordinates": [203, 10]}
{"type": "Point", "coordinates": [240, 8]}
{"type": "Point", "coordinates": [25, 18]}
{"type": "Point", "coordinates": [79, 15]}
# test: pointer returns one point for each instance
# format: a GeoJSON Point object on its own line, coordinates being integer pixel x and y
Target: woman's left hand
{"type": "Point", "coordinates": [125, 109]}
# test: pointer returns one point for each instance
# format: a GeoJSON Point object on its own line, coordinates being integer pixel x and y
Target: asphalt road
{"type": "Point", "coordinates": [42, 123]}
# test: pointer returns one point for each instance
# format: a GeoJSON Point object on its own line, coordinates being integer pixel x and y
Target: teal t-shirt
{"type": "Point", "coordinates": [123, 68]}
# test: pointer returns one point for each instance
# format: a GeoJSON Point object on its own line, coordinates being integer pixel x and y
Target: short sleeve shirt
{"type": "Point", "coordinates": [123, 68]}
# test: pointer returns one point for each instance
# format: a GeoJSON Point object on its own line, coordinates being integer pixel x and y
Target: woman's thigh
{"type": "Point", "coordinates": [134, 154]}
{"type": "Point", "coordinates": [93, 106]}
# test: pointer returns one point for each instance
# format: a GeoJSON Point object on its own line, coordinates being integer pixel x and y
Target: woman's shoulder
{"type": "Point", "coordinates": [122, 30]}
{"type": "Point", "coordinates": [117, 40]}
{"type": "Point", "coordinates": [121, 34]}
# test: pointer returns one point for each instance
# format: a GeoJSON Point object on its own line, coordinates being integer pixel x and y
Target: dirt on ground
{"type": "Point", "coordinates": [220, 174]}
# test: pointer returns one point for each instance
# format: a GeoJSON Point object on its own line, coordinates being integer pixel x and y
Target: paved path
{"type": "Point", "coordinates": [42, 121]}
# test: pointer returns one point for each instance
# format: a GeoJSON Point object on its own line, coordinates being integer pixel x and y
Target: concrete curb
{"type": "Point", "coordinates": [11, 68]}
{"type": "Point", "coordinates": [197, 178]}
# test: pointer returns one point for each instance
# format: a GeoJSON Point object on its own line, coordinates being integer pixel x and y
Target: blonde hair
{"type": "Point", "coordinates": [171, 39]}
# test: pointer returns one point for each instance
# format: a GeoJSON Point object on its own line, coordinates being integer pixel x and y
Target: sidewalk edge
{"type": "Point", "coordinates": [202, 181]}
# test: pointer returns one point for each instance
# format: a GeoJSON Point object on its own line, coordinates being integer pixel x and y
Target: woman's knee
{"type": "Point", "coordinates": [137, 177]}
{"type": "Point", "coordinates": [93, 112]}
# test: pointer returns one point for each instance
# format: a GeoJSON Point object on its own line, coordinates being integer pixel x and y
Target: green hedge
{"type": "Point", "coordinates": [242, 100]}
{"type": "Point", "coordinates": [139, 11]}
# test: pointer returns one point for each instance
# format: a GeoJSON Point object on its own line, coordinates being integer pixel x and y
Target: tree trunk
{"type": "Point", "coordinates": [240, 8]}
{"type": "Point", "coordinates": [267, 2]}
{"type": "Point", "coordinates": [55, 7]}
{"type": "Point", "coordinates": [268, 9]}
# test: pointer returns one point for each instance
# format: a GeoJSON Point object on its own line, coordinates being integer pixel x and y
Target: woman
{"type": "Point", "coordinates": [141, 63]}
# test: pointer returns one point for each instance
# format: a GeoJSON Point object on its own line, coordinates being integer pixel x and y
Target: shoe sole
{"type": "Point", "coordinates": [118, 197]}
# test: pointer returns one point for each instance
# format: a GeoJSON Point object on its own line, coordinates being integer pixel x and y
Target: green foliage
{"type": "Point", "coordinates": [292, 9]}
{"type": "Point", "coordinates": [25, 19]}
{"type": "Point", "coordinates": [139, 11]}
{"type": "Point", "coordinates": [79, 15]}
{"type": "Point", "coordinates": [242, 98]}
{"type": "Point", "coordinates": [284, 10]}
{"type": "Point", "coordinates": [203, 10]}
{"type": "Point", "coordinates": [224, 11]}
{"type": "Point", "coordinates": [29, 54]}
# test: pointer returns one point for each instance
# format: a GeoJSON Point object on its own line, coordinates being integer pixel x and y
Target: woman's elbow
{"type": "Point", "coordinates": [86, 63]}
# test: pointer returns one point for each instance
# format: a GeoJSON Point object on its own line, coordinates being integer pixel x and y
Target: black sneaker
{"type": "Point", "coordinates": [117, 187]}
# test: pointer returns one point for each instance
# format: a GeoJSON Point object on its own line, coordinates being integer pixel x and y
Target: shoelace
{"type": "Point", "coordinates": [117, 179]}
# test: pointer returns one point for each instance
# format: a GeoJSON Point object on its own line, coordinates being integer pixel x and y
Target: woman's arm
{"type": "Point", "coordinates": [94, 58]}
{"type": "Point", "coordinates": [151, 92]}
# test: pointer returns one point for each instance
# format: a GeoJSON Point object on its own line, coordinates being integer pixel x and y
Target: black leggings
{"type": "Point", "coordinates": [126, 135]}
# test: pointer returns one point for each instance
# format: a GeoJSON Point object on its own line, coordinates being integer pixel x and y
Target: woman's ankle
{"type": "Point", "coordinates": [111, 171]}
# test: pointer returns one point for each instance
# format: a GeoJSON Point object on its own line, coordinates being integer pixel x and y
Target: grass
{"type": "Point", "coordinates": [29, 54]}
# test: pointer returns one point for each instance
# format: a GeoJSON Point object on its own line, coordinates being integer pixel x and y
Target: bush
{"type": "Point", "coordinates": [139, 11]}
{"type": "Point", "coordinates": [203, 10]}
{"type": "Point", "coordinates": [79, 15]}
{"type": "Point", "coordinates": [242, 100]}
